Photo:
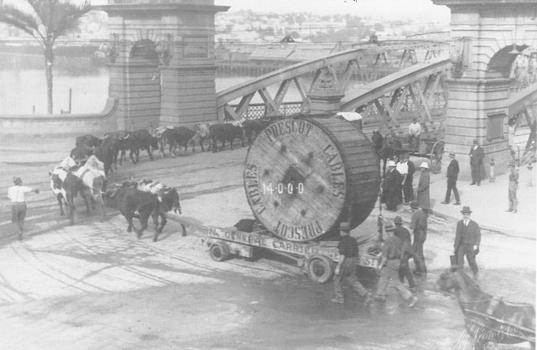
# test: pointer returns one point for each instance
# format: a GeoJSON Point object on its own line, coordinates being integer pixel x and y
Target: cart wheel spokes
{"type": "Point", "coordinates": [320, 269]}
{"type": "Point", "coordinates": [219, 251]}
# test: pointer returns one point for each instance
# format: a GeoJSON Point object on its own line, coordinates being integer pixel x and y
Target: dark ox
{"type": "Point", "coordinates": [88, 141]}
{"type": "Point", "coordinates": [139, 140]}
{"type": "Point", "coordinates": [225, 132]}
{"type": "Point", "coordinates": [254, 127]}
{"type": "Point", "coordinates": [176, 137]}
{"type": "Point", "coordinates": [132, 202]}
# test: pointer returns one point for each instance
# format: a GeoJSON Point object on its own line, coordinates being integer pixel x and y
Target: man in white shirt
{"type": "Point", "coordinates": [414, 131]}
{"type": "Point", "coordinates": [18, 203]}
{"type": "Point", "coordinates": [402, 168]}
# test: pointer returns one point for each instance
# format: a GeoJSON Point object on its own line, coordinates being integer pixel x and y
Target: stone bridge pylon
{"type": "Point", "coordinates": [162, 63]}
{"type": "Point", "coordinates": [489, 36]}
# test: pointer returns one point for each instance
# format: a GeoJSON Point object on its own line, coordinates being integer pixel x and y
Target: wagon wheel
{"type": "Point", "coordinates": [219, 251]}
{"type": "Point", "coordinates": [436, 156]}
{"type": "Point", "coordinates": [320, 269]}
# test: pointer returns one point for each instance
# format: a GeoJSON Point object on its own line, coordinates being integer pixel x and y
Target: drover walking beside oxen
{"type": "Point", "coordinates": [392, 250]}
{"type": "Point", "coordinates": [346, 267]}
{"type": "Point", "coordinates": [513, 186]}
{"type": "Point", "coordinates": [476, 162]}
{"type": "Point", "coordinates": [18, 203]}
{"type": "Point", "coordinates": [467, 241]}
{"type": "Point", "coordinates": [452, 175]}
{"type": "Point", "coordinates": [418, 225]}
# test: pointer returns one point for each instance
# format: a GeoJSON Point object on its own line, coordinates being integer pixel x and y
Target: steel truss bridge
{"type": "Point", "coordinates": [387, 83]}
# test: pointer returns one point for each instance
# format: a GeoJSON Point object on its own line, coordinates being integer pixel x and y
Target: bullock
{"type": "Point", "coordinates": [88, 141]}
{"type": "Point", "coordinates": [80, 154]}
{"type": "Point", "coordinates": [95, 181]}
{"type": "Point", "coordinates": [225, 132]}
{"type": "Point", "coordinates": [65, 186]}
{"type": "Point", "coordinates": [132, 203]}
{"type": "Point", "coordinates": [253, 126]}
{"type": "Point", "coordinates": [138, 140]}
{"type": "Point", "coordinates": [167, 196]}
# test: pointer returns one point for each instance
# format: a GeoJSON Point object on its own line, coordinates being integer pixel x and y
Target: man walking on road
{"type": "Point", "coordinates": [403, 234]}
{"type": "Point", "coordinates": [418, 224]}
{"type": "Point", "coordinates": [467, 241]}
{"type": "Point", "coordinates": [423, 187]}
{"type": "Point", "coordinates": [476, 162]}
{"type": "Point", "coordinates": [18, 203]}
{"type": "Point", "coordinates": [452, 175]}
{"type": "Point", "coordinates": [346, 267]}
{"type": "Point", "coordinates": [390, 263]}
{"type": "Point", "coordinates": [513, 186]}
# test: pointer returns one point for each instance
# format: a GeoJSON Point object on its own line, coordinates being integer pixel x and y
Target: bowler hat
{"type": "Point", "coordinates": [512, 163]}
{"type": "Point", "coordinates": [389, 226]}
{"type": "Point", "coordinates": [466, 210]}
{"type": "Point", "coordinates": [414, 204]}
{"type": "Point", "coordinates": [344, 226]}
{"type": "Point", "coordinates": [17, 180]}
{"type": "Point", "coordinates": [452, 154]}
{"type": "Point", "coordinates": [398, 220]}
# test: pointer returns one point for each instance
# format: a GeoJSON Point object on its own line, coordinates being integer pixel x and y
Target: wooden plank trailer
{"type": "Point", "coordinates": [303, 176]}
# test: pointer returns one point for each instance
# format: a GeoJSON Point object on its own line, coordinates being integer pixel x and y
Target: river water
{"type": "Point", "coordinates": [23, 91]}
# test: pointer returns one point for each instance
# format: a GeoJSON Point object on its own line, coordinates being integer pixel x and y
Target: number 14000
{"type": "Point", "coordinates": [281, 188]}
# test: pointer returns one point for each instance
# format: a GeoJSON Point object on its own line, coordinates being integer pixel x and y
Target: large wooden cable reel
{"type": "Point", "coordinates": [305, 175]}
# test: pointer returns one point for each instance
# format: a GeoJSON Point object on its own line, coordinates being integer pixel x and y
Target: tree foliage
{"type": "Point", "coordinates": [46, 21]}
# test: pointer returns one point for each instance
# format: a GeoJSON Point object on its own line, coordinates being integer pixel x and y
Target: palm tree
{"type": "Point", "coordinates": [45, 20]}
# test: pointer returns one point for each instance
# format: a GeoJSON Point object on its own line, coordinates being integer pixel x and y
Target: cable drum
{"type": "Point", "coordinates": [304, 175]}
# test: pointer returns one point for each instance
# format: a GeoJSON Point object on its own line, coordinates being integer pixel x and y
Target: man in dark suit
{"type": "Point", "coordinates": [476, 162]}
{"type": "Point", "coordinates": [452, 175]}
{"type": "Point", "coordinates": [467, 241]}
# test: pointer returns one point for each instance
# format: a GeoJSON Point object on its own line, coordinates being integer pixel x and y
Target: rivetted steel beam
{"type": "Point", "coordinates": [519, 102]}
{"type": "Point", "coordinates": [383, 86]}
{"type": "Point", "coordinates": [299, 69]}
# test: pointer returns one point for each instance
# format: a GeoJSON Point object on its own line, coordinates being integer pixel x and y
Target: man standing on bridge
{"type": "Point", "coordinates": [414, 131]}
{"type": "Point", "coordinates": [346, 266]}
{"type": "Point", "coordinates": [18, 203]}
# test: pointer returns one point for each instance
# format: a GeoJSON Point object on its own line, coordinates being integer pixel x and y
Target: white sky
{"type": "Point", "coordinates": [417, 10]}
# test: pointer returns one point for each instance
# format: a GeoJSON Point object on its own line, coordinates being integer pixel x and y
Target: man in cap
{"type": "Point", "coordinates": [403, 234]}
{"type": "Point", "coordinates": [418, 225]}
{"type": "Point", "coordinates": [414, 131]}
{"type": "Point", "coordinates": [452, 175]}
{"type": "Point", "coordinates": [513, 186]}
{"type": "Point", "coordinates": [391, 187]}
{"type": "Point", "coordinates": [390, 263]}
{"type": "Point", "coordinates": [467, 241]}
{"type": "Point", "coordinates": [346, 266]}
{"type": "Point", "coordinates": [476, 162]}
{"type": "Point", "coordinates": [18, 203]}
{"type": "Point", "coordinates": [423, 187]}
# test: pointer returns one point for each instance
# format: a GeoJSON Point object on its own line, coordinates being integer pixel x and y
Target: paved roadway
{"type": "Point", "coordinates": [93, 285]}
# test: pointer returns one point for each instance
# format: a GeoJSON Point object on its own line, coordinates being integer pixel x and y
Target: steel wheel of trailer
{"type": "Point", "coordinates": [219, 251]}
{"type": "Point", "coordinates": [320, 269]}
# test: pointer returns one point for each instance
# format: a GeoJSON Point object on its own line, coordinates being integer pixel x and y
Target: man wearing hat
{"type": "Point", "coordinates": [346, 266]}
{"type": "Point", "coordinates": [418, 225]}
{"type": "Point", "coordinates": [391, 187]}
{"type": "Point", "coordinates": [392, 250]}
{"type": "Point", "coordinates": [467, 241]}
{"type": "Point", "coordinates": [423, 187]}
{"type": "Point", "coordinates": [403, 234]}
{"type": "Point", "coordinates": [513, 186]}
{"type": "Point", "coordinates": [18, 203]}
{"type": "Point", "coordinates": [452, 175]}
{"type": "Point", "coordinates": [476, 162]}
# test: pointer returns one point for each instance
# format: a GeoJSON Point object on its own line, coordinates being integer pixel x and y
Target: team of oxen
{"type": "Point", "coordinates": [86, 169]}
